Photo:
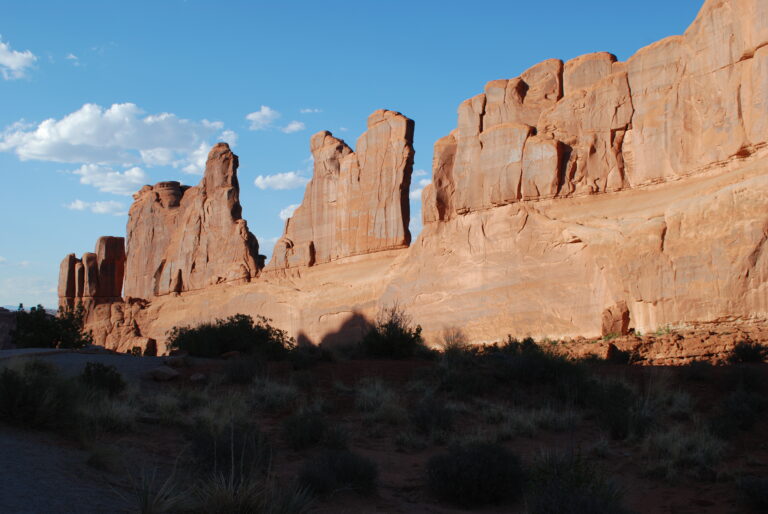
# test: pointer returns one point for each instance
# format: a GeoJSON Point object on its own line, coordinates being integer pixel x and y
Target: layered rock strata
{"type": "Point", "coordinates": [356, 202]}
{"type": "Point", "coordinates": [582, 198]}
{"type": "Point", "coordinates": [187, 238]}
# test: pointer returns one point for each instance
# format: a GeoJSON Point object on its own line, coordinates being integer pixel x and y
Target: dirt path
{"type": "Point", "coordinates": [40, 474]}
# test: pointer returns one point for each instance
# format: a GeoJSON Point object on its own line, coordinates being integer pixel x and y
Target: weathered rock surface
{"type": "Point", "coordinates": [579, 189]}
{"type": "Point", "coordinates": [186, 238]}
{"type": "Point", "coordinates": [96, 276]}
{"type": "Point", "coordinates": [356, 202]}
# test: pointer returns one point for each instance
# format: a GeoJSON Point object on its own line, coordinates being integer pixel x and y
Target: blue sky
{"type": "Point", "coordinates": [98, 98]}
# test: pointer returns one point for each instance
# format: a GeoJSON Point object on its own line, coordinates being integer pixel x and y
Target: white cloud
{"type": "Point", "coordinates": [14, 64]}
{"type": "Point", "coordinates": [229, 137]}
{"type": "Point", "coordinates": [287, 180]}
{"type": "Point", "coordinates": [75, 59]}
{"type": "Point", "coordinates": [111, 181]}
{"type": "Point", "coordinates": [107, 207]}
{"type": "Point", "coordinates": [24, 264]}
{"type": "Point", "coordinates": [29, 290]}
{"type": "Point", "coordinates": [263, 118]}
{"type": "Point", "coordinates": [119, 135]}
{"type": "Point", "coordinates": [294, 126]}
{"type": "Point", "coordinates": [3, 259]}
{"type": "Point", "coordinates": [343, 129]}
{"type": "Point", "coordinates": [310, 111]}
{"type": "Point", "coordinates": [416, 193]}
{"type": "Point", "coordinates": [287, 212]}
{"type": "Point", "coordinates": [420, 173]}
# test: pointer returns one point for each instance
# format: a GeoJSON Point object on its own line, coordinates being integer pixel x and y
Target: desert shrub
{"type": "Point", "coordinates": [673, 452]}
{"type": "Point", "coordinates": [614, 404]}
{"type": "Point", "coordinates": [475, 474]}
{"type": "Point", "coordinates": [478, 370]}
{"type": "Point", "coordinates": [36, 396]}
{"type": "Point", "coordinates": [221, 494]}
{"type": "Point", "coordinates": [235, 449]}
{"type": "Point", "coordinates": [304, 429]}
{"type": "Point", "coordinates": [748, 351]}
{"type": "Point", "coordinates": [335, 470]}
{"type": "Point", "coordinates": [739, 410]}
{"type": "Point", "coordinates": [393, 336]}
{"type": "Point", "coordinates": [103, 378]}
{"type": "Point", "coordinates": [273, 396]}
{"type": "Point", "coordinates": [38, 329]}
{"type": "Point", "coordinates": [754, 492]}
{"type": "Point", "coordinates": [243, 370]}
{"type": "Point", "coordinates": [430, 414]}
{"type": "Point", "coordinates": [566, 483]}
{"type": "Point", "coordinates": [236, 333]}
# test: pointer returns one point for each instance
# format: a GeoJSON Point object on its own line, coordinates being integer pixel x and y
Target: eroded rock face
{"type": "Point", "coordinates": [96, 276]}
{"type": "Point", "coordinates": [677, 107]}
{"type": "Point", "coordinates": [582, 198]}
{"type": "Point", "coordinates": [356, 202]}
{"type": "Point", "coordinates": [188, 238]}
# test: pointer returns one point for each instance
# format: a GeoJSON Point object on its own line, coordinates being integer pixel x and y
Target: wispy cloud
{"type": "Point", "coordinates": [3, 259]}
{"type": "Point", "coordinates": [15, 64]}
{"type": "Point", "coordinates": [287, 180]}
{"type": "Point", "coordinates": [287, 212]}
{"type": "Point", "coordinates": [74, 59]}
{"type": "Point", "coordinates": [294, 126]}
{"type": "Point", "coordinates": [420, 173]}
{"type": "Point", "coordinates": [310, 111]}
{"type": "Point", "coordinates": [415, 194]}
{"type": "Point", "coordinates": [107, 207]}
{"type": "Point", "coordinates": [263, 118]}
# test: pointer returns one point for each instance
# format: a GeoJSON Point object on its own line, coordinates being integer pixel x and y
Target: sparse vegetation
{"type": "Point", "coordinates": [676, 452]}
{"type": "Point", "coordinates": [475, 474]}
{"type": "Point", "coordinates": [754, 492]}
{"type": "Point", "coordinates": [337, 470]}
{"type": "Point", "coordinates": [567, 483]}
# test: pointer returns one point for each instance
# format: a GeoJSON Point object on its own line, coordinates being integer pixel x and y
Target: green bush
{"type": "Point", "coordinates": [748, 351]}
{"type": "Point", "coordinates": [430, 414]}
{"type": "Point", "coordinates": [38, 329]}
{"type": "Point", "coordinates": [393, 337]}
{"type": "Point", "coordinates": [238, 333]}
{"type": "Point", "coordinates": [566, 483]}
{"type": "Point", "coordinates": [36, 396]}
{"type": "Point", "coordinates": [335, 470]}
{"type": "Point", "coordinates": [104, 378]}
{"type": "Point", "coordinates": [475, 474]}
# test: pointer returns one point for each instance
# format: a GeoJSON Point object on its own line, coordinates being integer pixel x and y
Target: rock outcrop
{"type": "Point", "coordinates": [96, 277]}
{"type": "Point", "coordinates": [187, 238]}
{"type": "Point", "coordinates": [582, 198]}
{"type": "Point", "coordinates": [356, 202]}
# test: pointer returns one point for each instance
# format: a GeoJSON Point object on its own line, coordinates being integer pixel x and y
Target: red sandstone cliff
{"type": "Point", "coordinates": [566, 198]}
{"type": "Point", "coordinates": [356, 202]}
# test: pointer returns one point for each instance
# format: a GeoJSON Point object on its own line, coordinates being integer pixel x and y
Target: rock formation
{"type": "Point", "coordinates": [96, 277]}
{"type": "Point", "coordinates": [356, 202]}
{"type": "Point", "coordinates": [582, 198]}
{"type": "Point", "coordinates": [186, 238]}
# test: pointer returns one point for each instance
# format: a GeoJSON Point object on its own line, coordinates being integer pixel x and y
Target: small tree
{"type": "Point", "coordinates": [393, 336]}
{"type": "Point", "coordinates": [38, 329]}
